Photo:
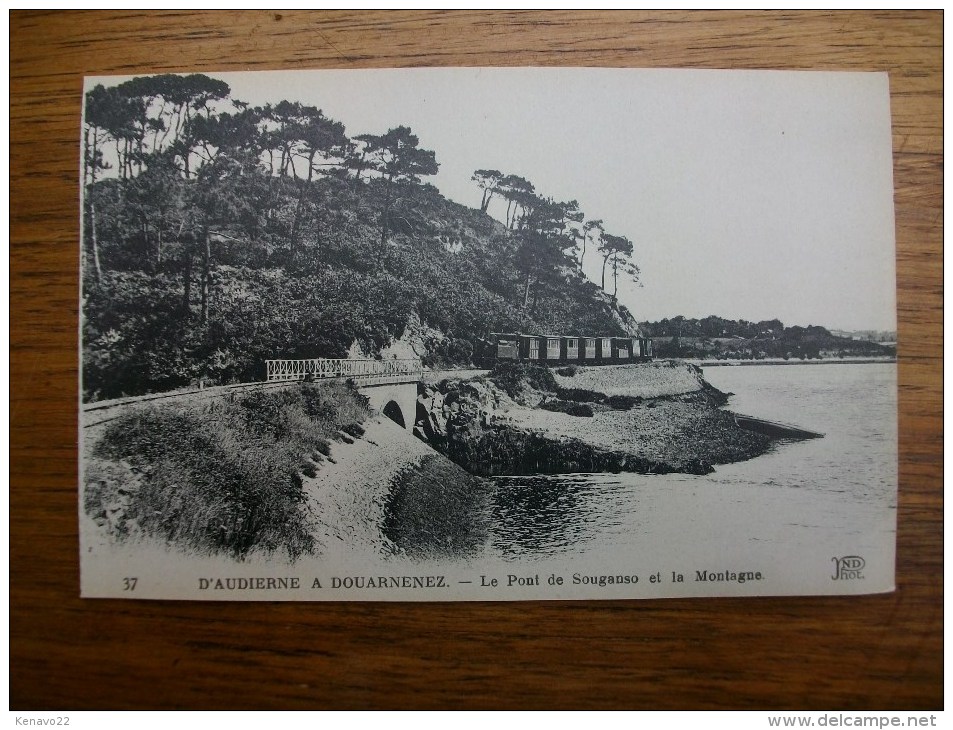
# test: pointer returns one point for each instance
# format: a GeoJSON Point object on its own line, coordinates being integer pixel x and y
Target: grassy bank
{"type": "Point", "coordinates": [223, 476]}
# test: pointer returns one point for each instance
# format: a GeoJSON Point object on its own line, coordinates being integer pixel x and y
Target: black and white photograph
{"type": "Point", "coordinates": [487, 334]}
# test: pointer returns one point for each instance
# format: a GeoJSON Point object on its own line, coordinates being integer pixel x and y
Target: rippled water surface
{"type": "Point", "coordinates": [829, 496]}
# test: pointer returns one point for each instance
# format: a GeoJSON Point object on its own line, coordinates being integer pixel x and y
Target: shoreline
{"type": "Point", "coordinates": [776, 361]}
{"type": "Point", "coordinates": [657, 417]}
{"type": "Point", "coordinates": [378, 491]}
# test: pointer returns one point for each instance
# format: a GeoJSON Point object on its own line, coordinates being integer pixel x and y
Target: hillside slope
{"type": "Point", "coordinates": [190, 311]}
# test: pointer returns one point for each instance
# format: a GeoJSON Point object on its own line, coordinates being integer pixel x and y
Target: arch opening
{"type": "Point", "coordinates": [393, 412]}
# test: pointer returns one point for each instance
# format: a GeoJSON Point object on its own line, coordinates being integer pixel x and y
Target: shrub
{"type": "Point", "coordinates": [448, 352]}
{"type": "Point", "coordinates": [512, 376]}
{"type": "Point", "coordinates": [572, 409]}
{"type": "Point", "coordinates": [580, 395]}
{"type": "Point", "coordinates": [354, 429]}
{"type": "Point", "coordinates": [623, 402]}
{"type": "Point", "coordinates": [438, 510]}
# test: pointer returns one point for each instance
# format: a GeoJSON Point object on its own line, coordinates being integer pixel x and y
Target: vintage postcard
{"type": "Point", "coordinates": [487, 334]}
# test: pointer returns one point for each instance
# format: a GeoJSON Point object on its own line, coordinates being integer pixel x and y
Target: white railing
{"type": "Point", "coordinates": [365, 372]}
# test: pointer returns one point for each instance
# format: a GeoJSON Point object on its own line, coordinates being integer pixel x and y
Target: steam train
{"type": "Point", "coordinates": [566, 350]}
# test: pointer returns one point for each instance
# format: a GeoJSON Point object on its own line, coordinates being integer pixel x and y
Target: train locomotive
{"type": "Point", "coordinates": [545, 349]}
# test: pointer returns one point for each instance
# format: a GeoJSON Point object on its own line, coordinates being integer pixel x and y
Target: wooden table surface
{"type": "Point", "coordinates": [873, 652]}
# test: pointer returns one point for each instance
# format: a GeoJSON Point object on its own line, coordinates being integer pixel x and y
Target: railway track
{"type": "Point", "coordinates": [100, 412]}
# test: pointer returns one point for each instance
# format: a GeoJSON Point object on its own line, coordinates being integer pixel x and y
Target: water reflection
{"type": "Point", "coordinates": [542, 515]}
{"type": "Point", "coordinates": [830, 494]}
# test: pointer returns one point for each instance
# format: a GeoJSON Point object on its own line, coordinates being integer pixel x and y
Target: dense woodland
{"type": "Point", "coordinates": [218, 235]}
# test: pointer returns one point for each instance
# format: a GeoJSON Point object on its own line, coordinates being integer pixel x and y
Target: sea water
{"type": "Point", "coordinates": [831, 496]}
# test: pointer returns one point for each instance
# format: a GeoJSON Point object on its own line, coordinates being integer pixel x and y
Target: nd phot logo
{"type": "Point", "coordinates": [848, 567]}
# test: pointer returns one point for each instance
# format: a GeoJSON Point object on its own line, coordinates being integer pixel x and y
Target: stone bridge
{"type": "Point", "coordinates": [389, 385]}
{"type": "Point", "coordinates": [397, 401]}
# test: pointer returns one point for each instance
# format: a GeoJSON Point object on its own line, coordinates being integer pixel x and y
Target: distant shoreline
{"type": "Point", "coordinates": [829, 361]}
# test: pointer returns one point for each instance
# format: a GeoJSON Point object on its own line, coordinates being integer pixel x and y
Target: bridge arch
{"type": "Point", "coordinates": [397, 401]}
{"type": "Point", "coordinates": [393, 412]}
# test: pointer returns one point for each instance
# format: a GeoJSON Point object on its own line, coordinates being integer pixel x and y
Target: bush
{"type": "Point", "coordinates": [568, 372]}
{"type": "Point", "coordinates": [512, 376]}
{"type": "Point", "coordinates": [438, 510]}
{"type": "Point", "coordinates": [581, 395]}
{"type": "Point", "coordinates": [354, 429]}
{"type": "Point", "coordinates": [448, 352]}
{"type": "Point", "coordinates": [572, 409]}
{"type": "Point", "coordinates": [623, 402]}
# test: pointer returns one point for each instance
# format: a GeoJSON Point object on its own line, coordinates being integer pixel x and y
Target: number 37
{"type": "Point", "coordinates": [129, 584]}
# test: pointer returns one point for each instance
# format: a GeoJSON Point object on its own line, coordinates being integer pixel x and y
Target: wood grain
{"type": "Point", "coordinates": [869, 652]}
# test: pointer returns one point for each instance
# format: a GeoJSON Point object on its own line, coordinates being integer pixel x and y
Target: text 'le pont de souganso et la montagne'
{"type": "Point", "coordinates": [509, 580]}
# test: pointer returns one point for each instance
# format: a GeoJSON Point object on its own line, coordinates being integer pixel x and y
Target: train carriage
{"type": "Point", "coordinates": [568, 349]}
{"type": "Point", "coordinates": [621, 349]}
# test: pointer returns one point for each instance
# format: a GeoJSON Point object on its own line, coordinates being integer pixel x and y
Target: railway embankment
{"type": "Point", "coordinates": [299, 470]}
{"type": "Point", "coordinates": [656, 417]}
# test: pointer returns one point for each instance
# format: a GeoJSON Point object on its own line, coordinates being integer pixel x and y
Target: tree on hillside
{"type": "Point", "coordinates": [168, 104]}
{"type": "Point", "coordinates": [234, 134]}
{"type": "Point", "coordinates": [355, 159]}
{"type": "Point", "coordinates": [396, 157]}
{"type": "Point", "coordinates": [147, 91]}
{"type": "Point", "coordinates": [283, 122]}
{"type": "Point", "coordinates": [213, 201]}
{"type": "Point", "coordinates": [96, 118]}
{"type": "Point", "coordinates": [193, 95]}
{"type": "Point", "coordinates": [154, 199]}
{"type": "Point", "coordinates": [321, 143]}
{"type": "Point", "coordinates": [543, 240]}
{"type": "Point", "coordinates": [571, 217]}
{"type": "Point", "coordinates": [622, 263]}
{"type": "Point", "coordinates": [591, 232]}
{"type": "Point", "coordinates": [488, 181]}
{"type": "Point", "coordinates": [520, 198]}
{"type": "Point", "coordinates": [615, 249]}
{"type": "Point", "coordinates": [123, 118]}
{"type": "Point", "coordinates": [268, 136]}
{"type": "Point", "coordinates": [570, 214]}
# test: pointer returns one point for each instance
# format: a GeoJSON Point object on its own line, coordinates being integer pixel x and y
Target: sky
{"type": "Point", "coordinates": [748, 194]}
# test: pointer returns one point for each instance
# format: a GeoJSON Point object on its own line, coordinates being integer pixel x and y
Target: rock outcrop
{"type": "Point", "coordinates": [656, 418]}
